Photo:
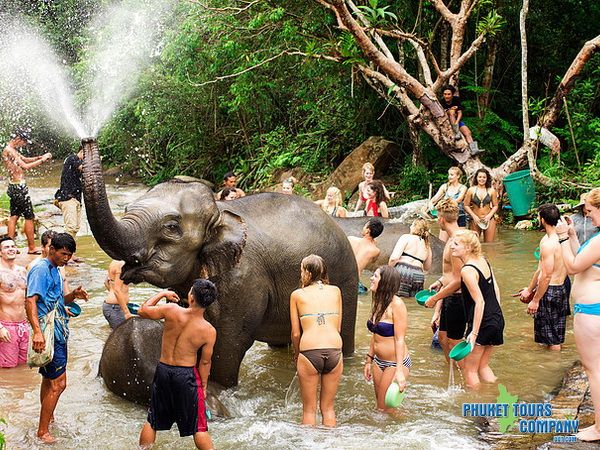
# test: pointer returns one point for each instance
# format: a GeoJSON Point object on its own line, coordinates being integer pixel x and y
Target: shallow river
{"type": "Point", "coordinates": [89, 416]}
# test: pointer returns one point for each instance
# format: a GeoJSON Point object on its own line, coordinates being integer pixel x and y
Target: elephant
{"type": "Point", "coordinates": [392, 230]}
{"type": "Point", "coordinates": [583, 227]}
{"type": "Point", "coordinates": [251, 248]}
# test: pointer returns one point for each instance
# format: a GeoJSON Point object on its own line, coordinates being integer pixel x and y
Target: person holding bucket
{"type": "Point", "coordinates": [485, 321]}
{"type": "Point", "coordinates": [316, 319]}
{"type": "Point", "coordinates": [388, 359]}
{"type": "Point", "coordinates": [584, 262]}
{"type": "Point", "coordinates": [481, 203]}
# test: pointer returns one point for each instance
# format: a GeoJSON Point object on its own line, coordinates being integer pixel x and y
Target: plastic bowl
{"type": "Point", "coordinates": [483, 224]}
{"type": "Point", "coordinates": [433, 212]}
{"type": "Point", "coordinates": [536, 253]}
{"type": "Point", "coordinates": [393, 396]}
{"type": "Point", "coordinates": [133, 308]}
{"type": "Point", "coordinates": [422, 296]}
{"type": "Point", "coordinates": [460, 351]}
{"type": "Point", "coordinates": [74, 308]}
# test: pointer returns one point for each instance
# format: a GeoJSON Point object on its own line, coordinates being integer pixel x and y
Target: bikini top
{"type": "Point", "coordinates": [455, 195]}
{"type": "Point", "coordinates": [413, 257]}
{"type": "Point", "coordinates": [479, 202]}
{"type": "Point", "coordinates": [373, 206]}
{"type": "Point", "coordinates": [320, 316]}
{"type": "Point", "coordinates": [334, 212]}
{"type": "Point", "coordinates": [586, 243]}
{"type": "Point", "coordinates": [383, 329]}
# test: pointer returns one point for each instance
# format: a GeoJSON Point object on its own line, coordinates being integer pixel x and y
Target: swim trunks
{"type": "Point", "coordinates": [58, 365]}
{"type": "Point", "coordinates": [550, 320]}
{"type": "Point", "coordinates": [412, 279]}
{"type": "Point", "coordinates": [177, 397]}
{"type": "Point", "coordinates": [20, 203]}
{"type": "Point", "coordinates": [113, 314]}
{"type": "Point", "coordinates": [453, 317]}
{"type": "Point", "coordinates": [14, 352]}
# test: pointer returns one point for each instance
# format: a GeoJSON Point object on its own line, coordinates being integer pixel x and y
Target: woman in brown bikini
{"type": "Point", "coordinates": [481, 203]}
{"type": "Point", "coordinates": [316, 317]}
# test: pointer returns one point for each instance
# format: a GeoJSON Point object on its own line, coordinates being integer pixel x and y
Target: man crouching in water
{"type": "Point", "coordinates": [181, 378]}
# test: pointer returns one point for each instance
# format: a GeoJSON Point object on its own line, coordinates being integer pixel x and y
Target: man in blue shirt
{"type": "Point", "coordinates": [45, 293]}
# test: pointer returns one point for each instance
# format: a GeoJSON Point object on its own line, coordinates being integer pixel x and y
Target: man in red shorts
{"type": "Point", "coordinates": [14, 329]}
{"type": "Point", "coordinates": [181, 376]}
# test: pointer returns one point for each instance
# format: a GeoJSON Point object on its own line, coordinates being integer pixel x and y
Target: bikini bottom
{"type": "Point", "coordinates": [384, 364]}
{"type": "Point", "coordinates": [592, 309]}
{"type": "Point", "coordinates": [324, 360]}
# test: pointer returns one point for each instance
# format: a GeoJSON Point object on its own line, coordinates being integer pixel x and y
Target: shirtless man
{"type": "Point", "coordinates": [115, 306]}
{"type": "Point", "coordinates": [450, 315]}
{"type": "Point", "coordinates": [20, 203]}
{"type": "Point", "coordinates": [182, 373]}
{"type": "Point", "coordinates": [365, 249]}
{"type": "Point", "coordinates": [14, 329]}
{"type": "Point", "coordinates": [549, 286]}
{"type": "Point", "coordinates": [230, 182]}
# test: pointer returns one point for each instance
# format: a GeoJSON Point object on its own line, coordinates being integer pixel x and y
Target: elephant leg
{"type": "Point", "coordinates": [228, 354]}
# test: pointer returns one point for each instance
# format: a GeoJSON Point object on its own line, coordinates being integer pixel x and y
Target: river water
{"type": "Point", "coordinates": [89, 416]}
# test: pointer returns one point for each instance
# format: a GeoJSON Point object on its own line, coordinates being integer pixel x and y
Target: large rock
{"type": "Point", "coordinates": [376, 150]}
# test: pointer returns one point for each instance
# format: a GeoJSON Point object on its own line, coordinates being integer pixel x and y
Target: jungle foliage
{"type": "Point", "coordinates": [300, 110]}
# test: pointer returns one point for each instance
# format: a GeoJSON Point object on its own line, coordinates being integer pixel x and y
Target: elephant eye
{"type": "Point", "coordinates": [171, 228]}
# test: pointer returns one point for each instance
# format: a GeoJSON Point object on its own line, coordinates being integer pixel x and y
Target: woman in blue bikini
{"type": "Point", "coordinates": [316, 318]}
{"type": "Point", "coordinates": [584, 262]}
{"type": "Point", "coordinates": [388, 359]}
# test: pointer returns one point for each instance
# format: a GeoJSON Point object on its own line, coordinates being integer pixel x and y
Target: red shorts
{"type": "Point", "coordinates": [14, 352]}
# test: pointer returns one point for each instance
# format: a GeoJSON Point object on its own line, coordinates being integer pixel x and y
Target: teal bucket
{"type": "Point", "coordinates": [521, 191]}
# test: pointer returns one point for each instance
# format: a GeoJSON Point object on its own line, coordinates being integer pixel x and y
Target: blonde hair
{"type": "Point", "coordinates": [448, 209]}
{"type": "Point", "coordinates": [470, 240]}
{"type": "Point", "coordinates": [421, 229]}
{"type": "Point", "coordinates": [337, 198]}
{"type": "Point", "coordinates": [456, 170]}
{"type": "Point", "coordinates": [369, 166]}
{"type": "Point", "coordinates": [313, 269]}
{"type": "Point", "coordinates": [593, 197]}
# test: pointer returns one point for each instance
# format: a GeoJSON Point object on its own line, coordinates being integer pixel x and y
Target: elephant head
{"type": "Point", "coordinates": [169, 236]}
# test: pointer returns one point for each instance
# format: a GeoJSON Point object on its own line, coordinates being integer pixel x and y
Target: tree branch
{"type": "Point", "coordinates": [460, 62]}
{"type": "Point", "coordinates": [384, 48]}
{"type": "Point", "coordinates": [423, 62]}
{"type": "Point", "coordinates": [444, 11]}
{"type": "Point", "coordinates": [228, 8]}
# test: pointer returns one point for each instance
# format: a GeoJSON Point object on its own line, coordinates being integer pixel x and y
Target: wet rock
{"type": "Point", "coordinates": [376, 150]}
{"type": "Point", "coordinates": [524, 225]}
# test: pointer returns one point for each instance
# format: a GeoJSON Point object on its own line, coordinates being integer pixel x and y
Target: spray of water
{"type": "Point", "coordinates": [124, 38]}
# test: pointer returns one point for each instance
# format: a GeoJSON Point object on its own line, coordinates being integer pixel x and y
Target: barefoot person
{"type": "Point", "coordinates": [115, 306]}
{"type": "Point", "coordinates": [450, 315]}
{"type": "Point", "coordinates": [550, 286]}
{"type": "Point", "coordinates": [481, 296]}
{"type": "Point", "coordinates": [388, 359]}
{"type": "Point", "coordinates": [181, 377]}
{"type": "Point", "coordinates": [481, 203]}
{"type": "Point", "coordinates": [411, 258]}
{"type": "Point", "coordinates": [316, 318]}
{"type": "Point", "coordinates": [20, 203]}
{"type": "Point", "coordinates": [584, 262]}
{"type": "Point", "coordinates": [44, 294]}
{"type": "Point", "coordinates": [365, 248]}
{"type": "Point", "coordinates": [14, 329]}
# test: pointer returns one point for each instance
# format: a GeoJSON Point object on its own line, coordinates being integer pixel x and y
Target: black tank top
{"type": "Point", "coordinates": [492, 313]}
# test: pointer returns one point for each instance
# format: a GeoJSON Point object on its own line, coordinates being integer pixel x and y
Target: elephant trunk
{"type": "Point", "coordinates": [116, 238]}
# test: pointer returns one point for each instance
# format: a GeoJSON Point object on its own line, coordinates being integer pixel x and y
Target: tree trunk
{"type": "Point", "coordinates": [524, 96]}
{"type": "Point", "coordinates": [414, 134]}
{"type": "Point", "coordinates": [488, 76]}
{"type": "Point", "coordinates": [444, 43]}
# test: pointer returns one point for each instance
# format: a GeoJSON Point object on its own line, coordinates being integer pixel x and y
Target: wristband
{"type": "Point", "coordinates": [560, 241]}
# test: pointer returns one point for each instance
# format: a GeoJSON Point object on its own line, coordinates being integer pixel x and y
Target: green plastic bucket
{"type": "Point", "coordinates": [521, 191]}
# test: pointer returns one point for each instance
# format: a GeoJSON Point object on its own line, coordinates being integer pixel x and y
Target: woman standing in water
{"type": "Point", "coordinates": [316, 317]}
{"type": "Point", "coordinates": [376, 205]}
{"type": "Point", "coordinates": [584, 262]}
{"type": "Point", "coordinates": [481, 203]}
{"type": "Point", "coordinates": [332, 204]}
{"type": "Point", "coordinates": [388, 359]}
{"type": "Point", "coordinates": [455, 190]}
{"type": "Point", "coordinates": [485, 322]}
{"type": "Point", "coordinates": [411, 257]}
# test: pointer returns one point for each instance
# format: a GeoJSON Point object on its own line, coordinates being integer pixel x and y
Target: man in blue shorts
{"type": "Point", "coordinates": [453, 107]}
{"type": "Point", "coordinates": [181, 376]}
{"type": "Point", "coordinates": [45, 293]}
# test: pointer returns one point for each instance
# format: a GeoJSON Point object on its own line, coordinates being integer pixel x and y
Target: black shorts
{"type": "Point", "coordinates": [453, 317]}
{"type": "Point", "coordinates": [20, 203]}
{"type": "Point", "coordinates": [490, 331]}
{"type": "Point", "coordinates": [177, 397]}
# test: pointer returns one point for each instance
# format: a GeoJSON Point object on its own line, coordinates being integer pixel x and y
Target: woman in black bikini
{"type": "Point", "coordinates": [481, 203]}
{"type": "Point", "coordinates": [316, 317]}
{"type": "Point", "coordinates": [388, 359]}
{"type": "Point", "coordinates": [411, 257]}
{"type": "Point", "coordinates": [485, 322]}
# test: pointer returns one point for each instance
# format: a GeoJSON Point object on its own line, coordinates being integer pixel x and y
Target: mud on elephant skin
{"type": "Point", "coordinates": [251, 248]}
{"type": "Point", "coordinates": [392, 230]}
{"type": "Point", "coordinates": [132, 345]}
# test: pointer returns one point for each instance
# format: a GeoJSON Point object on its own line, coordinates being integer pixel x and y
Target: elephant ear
{"type": "Point", "coordinates": [224, 246]}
